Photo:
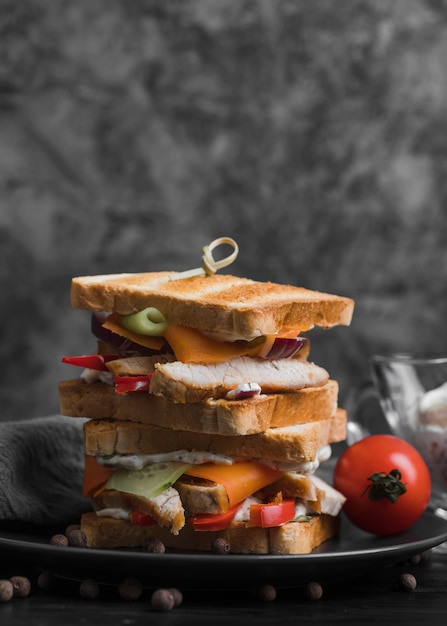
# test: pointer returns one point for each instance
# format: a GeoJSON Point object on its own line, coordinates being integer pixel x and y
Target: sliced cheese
{"type": "Point", "coordinates": [112, 323]}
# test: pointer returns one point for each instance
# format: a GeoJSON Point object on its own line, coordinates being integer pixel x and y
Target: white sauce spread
{"type": "Point", "coordinates": [197, 457]}
{"type": "Point", "coordinates": [92, 376]}
{"type": "Point", "coordinates": [116, 513]}
{"type": "Point", "coordinates": [138, 461]}
{"type": "Point", "coordinates": [243, 513]}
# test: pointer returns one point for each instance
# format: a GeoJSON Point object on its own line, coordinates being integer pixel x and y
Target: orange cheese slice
{"type": "Point", "coordinates": [239, 479]}
{"type": "Point", "coordinates": [191, 346]}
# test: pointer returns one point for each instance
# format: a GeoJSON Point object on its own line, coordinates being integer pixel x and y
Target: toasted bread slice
{"type": "Point", "coordinates": [298, 443]}
{"type": "Point", "coordinates": [222, 303]}
{"type": "Point", "coordinates": [226, 417]}
{"type": "Point", "coordinates": [298, 537]}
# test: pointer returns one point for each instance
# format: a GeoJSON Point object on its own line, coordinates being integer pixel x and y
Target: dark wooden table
{"type": "Point", "coordinates": [373, 598]}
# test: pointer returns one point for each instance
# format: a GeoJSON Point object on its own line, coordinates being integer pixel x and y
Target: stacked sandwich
{"type": "Point", "coordinates": [207, 419]}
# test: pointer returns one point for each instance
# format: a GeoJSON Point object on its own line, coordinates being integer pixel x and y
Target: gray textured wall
{"type": "Point", "coordinates": [132, 133]}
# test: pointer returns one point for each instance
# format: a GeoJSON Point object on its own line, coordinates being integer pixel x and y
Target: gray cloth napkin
{"type": "Point", "coordinates": [41, 471]}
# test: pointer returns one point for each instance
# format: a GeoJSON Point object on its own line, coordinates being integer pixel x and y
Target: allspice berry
{"type": "Point", "coordinates": [162, 600]}
{"type": "Point", "coordinates": [59, 540]}
{"type": "Point", "coordinates": [76, 538]}
{"type": "Point", "coordinates": [21, 586]}
{"type": "Point", "coordinates": [265, 593]}
{"type": "Point", "coordinates": [130, 589]}
{"type": "Point", "coordinates": [71, 527]}
{"type": "Point", "coordinates": [416, 559]}
{"type": "Point", "coordinates": [177, 595]}
{"type": "Point", "coordinates": [45, 581]}
{"type": "Point", "coordinates": [89, 589]}
{"type": "Point", "coordinates": [6, 590]}
{"type": "Point", "coordinates": [154, 545]}
{"type": "Point", "coordinates": [407, 582]}
{"type": "Point", "coordinates": [313, 591]}
{"type": "Point", "coordinates": [220, 546]}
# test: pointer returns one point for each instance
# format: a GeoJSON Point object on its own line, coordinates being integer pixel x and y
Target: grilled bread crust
{"type": "Point", "coordinates": [220, 302]}
{"type": "Point", "coordinates": [298, 443]}
{"type": "Point", "coordinates": [225, 417]}
{"type": "Point", "coordinates": [291, 538]}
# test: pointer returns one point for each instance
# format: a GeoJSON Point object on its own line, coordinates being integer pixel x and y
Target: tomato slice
{"type": "Point", "coordinates": [138, 518]}
{"type": "Point", "coordinates": [217, 521]}
{"type": "Point", "coordinates": [128, 384]}
{"type": "Point", "coordinates": [95, 476]}
{"type": "Point", "coordinates": [273, 513]}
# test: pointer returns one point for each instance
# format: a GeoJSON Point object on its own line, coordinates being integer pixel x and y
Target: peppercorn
{"type": "Point", "coordinates": [45, 581]}
{"type": "Point", "coordinates": [154, 544]}
{"type": "Point", "coordinates": [416, 559]}
{"type": "Point", "coordinates": [177, 595]}
{"type": "Point", "coordinates": [21, 586]}
{"type": "Point", "coordinates": [265, 593]}
{"type": "Point", "coordinates": [6, 590]}
{"type": "Point", "coordinates": [221, 545]}
{"type": "Point", "coordinates": [407, 582]}
{"type": "Point", "coordinates": [71, 527]}
{"type": "Point", "coordinates": [76, 538]}
{"type": "Point", "coordinates": [89, 589]}
{"type": "Point", "coordinates": [59, 540]}
{"type": "Point", "coordinates": [313, 591]}
{"type": "Point", "coordinates": [162, 600]}
{"type": "Point", "coordinates": [426, 556]}
{"type": "Point", "coordinates": [130, 589]}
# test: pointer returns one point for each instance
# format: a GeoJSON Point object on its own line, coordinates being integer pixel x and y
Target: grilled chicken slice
{"type": "Point", "coordinates": [166, 508]}
{"type": "Point", "coordinates": [194, 382]}
{"type": "Point", "coordinates": [321, 496]}
{"type": "Point", "coordinates": [199, 495]}
{"type": "Point", "coordinates": [137, 365]}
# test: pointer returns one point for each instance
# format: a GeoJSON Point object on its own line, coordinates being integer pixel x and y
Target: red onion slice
{"type": "Point", "coordinates": [283, 348]}
{"type": "Point", "coordinates": [244, 390]}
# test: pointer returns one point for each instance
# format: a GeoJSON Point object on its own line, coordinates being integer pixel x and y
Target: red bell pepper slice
{"type": "Point", "coordinates": [273, 513]}
{"type": "Point", "coordinates": [91, 361]}
{"type": "Point", "coordinates": [141, 519]}
{"type": "Point", "coordinates": [128, 384]}
{"type": "Point", "coordinates": [216, 521]}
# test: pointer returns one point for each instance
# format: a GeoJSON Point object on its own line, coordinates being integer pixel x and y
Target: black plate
{"type": "Point", "coordinates": [345, 557]}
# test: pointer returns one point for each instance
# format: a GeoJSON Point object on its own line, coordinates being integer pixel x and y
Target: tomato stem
{"type": "Point", "coordinates": [385, 485]}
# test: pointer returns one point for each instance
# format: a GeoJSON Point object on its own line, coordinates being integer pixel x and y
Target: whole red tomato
{"type": "Point", "coordinates": [386, 483]}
